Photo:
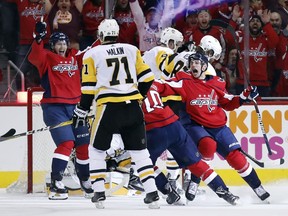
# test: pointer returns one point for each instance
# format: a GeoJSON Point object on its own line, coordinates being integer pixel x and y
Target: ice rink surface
{"type": "Point", "coordinates": [205, 205]}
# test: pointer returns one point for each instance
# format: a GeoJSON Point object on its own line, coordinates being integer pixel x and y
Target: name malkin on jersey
{"type": "Point", "coordinates": [115, 51]}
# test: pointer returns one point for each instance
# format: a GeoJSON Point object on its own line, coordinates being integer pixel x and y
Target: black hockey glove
{"type": "Point", "coordinates": [40, 31]}
{"type": "Point", "coordinates": [80, 117]}
{"type": "Point", "coordinates": [188, 46]}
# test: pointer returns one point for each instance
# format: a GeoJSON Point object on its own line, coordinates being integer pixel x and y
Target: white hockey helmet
{"type": "Point", "coordinates": [171, 34]}
{"type": "Point", "coordinates": [108, 28]}
{"type": "Point", "coordinates": [211, 47]}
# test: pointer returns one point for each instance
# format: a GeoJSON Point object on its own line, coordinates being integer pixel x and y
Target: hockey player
{"type": "Point", "coordinates": [205, 98]}
{"type": "Point", "coordinates": [171, 39]}
{"type": "Point", "coordinates": [211, 48]}
{"type": "Point", "coordinates": [117, 77]}
{"type": "Point", "coordinates": [60, 78]}
{"type": "Point", "coordinates": [164, 131]}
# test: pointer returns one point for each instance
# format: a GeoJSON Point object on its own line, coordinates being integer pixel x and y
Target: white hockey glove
{"type": "Point", "coordinates": [80, 117]}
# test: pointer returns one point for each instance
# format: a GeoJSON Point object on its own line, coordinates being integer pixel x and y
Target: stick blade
{"type": "Point", "coordinates": [9, 133]}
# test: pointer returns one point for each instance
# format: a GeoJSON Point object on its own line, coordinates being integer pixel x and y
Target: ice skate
{"type": "Point", "coordinates": [135, 183]}
{"type": "Point", "coordinates": [151, 199]}
{"type": "Point", "coordinates": [261, 193]}
{"type": "Point", "coordinates": [57, 191]}
{"type": "Point", "coordinates": [175, 184]}
{"type": "Point", "coordinates": [87, 188]}
{"type": "Point", "coordinates": [174, 198]}
{"type": "Point", "coordinates": [191, 191]}
{"type": "Point", "coordinates": [228, 196]}
{"type": "Point", "coordinates": [186, 181]}
{"type": "Point", "coordinates": [98, 199]}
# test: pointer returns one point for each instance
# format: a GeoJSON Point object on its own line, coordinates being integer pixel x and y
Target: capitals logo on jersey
{"type": "Point", "coordinates": [35, 12]}
{"type": "Point", "coordinates": [206, 100]}
{"type": "Point", "coordinates": [65, 66]}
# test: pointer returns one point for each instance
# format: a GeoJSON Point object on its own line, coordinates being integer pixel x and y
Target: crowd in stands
{"type": "Point", "coordinates": [141, 23]}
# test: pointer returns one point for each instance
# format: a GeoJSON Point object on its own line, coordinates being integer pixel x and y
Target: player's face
{"type": "Point", "coordinates": [174, 47]}
{"type": "Point", "coordinates": [195, 68]}
{"type": "Point", "coordinates": [209, 54]}
{"type": "Point", "coordinates": [60, 48]}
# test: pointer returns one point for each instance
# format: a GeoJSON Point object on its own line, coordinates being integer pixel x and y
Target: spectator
{"type": "Point", "coordinates": [204, 28]}
{"type": "Point", "coordinates": [230, 71]}
{"type": "Point", "coordinates": [256, 5]}
{"type": "Point", "coordinates": [151, 25]}
{"type": "Point", "coordinates": [262, 38]}
{"type": "Point", "coordinates": [9, 23]}
{"type": "Point", "coordinates": [278, 59]}
{"type": "Point", "coordinates": [186, 22]}
{"type": "Point", "coordinates": [65, 16]}
{"type": "Point", "coordinates": [30, 12]}
{"type": "Point", "coordinates": [125, 20]}
{"type": "Point", "coordinates": [93, 13]}
{"type": "Point", "coordinates": [282, 9]}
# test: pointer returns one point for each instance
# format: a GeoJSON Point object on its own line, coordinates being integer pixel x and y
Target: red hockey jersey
{"type": "Point", "coordinates": [60, 76]}
{"type": "Point", "coordinates": [204, 99]}
{"type": "Point", "coordinates": [156, 115]}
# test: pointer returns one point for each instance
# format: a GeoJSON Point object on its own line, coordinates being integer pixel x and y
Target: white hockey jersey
{"type": "Point", "coordinates": [155, 58]}
{"type": "Point", "coordinates": [112, 72]}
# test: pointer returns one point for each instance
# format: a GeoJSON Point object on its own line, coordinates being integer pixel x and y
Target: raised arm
{"type": "Point", "coordinates": [137, 12]}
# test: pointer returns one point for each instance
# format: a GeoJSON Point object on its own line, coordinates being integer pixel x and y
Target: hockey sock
{"type": "Point", "coordinates": [239, 162]}
{"type": "Point", "coordinates": [60, 159]}
{"type": "Point", "coordinates": [208, 175]}
{"type": "Point", "coordinates": [195, 179]}
{"type": "Point", "coordinates": [144, 167]}
{"type": "Point", "coordinates": [161, 181]}
{"type": "Point", "coordinates": [214, 182]}
{"type": "Point", "coordinates": [82, 162]}
{"type": "Point", "coordinates": [97, 169]}
{"type": "Point", "coordinates": [172, 167]}
{"type": "Point", "coordinates": [252, 178]}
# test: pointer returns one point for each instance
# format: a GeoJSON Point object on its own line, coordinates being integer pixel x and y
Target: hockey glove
{"type": "Point", "coordinates": [40, 31]}
{"type": "Point", "coordinates": [189, 46]}
{"type": "Point", "coordinates": [80, 117]}
{"type": "Point", "coordinates": [249, 94]}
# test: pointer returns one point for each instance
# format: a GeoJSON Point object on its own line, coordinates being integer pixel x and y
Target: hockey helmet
{"type": "Point", "coordinates": [171, 34]}
{"type": "Point", "coordinates": [211, 47]}
{"type": "Point", "coordinates": [57, 36]}
{"type": "Point", "coordinates": [108, 28]}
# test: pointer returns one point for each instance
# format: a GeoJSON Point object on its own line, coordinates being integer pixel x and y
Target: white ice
{"type": "Point", "coordinates": [204, 205]}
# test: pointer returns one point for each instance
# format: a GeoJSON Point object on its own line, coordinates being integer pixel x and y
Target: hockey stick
{"type": "Point", "coordinates": [228, 27]}
{"type": "Point", "coordinates": [12, 136]}
{"type": "Point", "coordinates": [263, 164]}
{"type": "Point", "coordinates": [9, 133]}
{"type": "Point", "coordinates": [126, 176]}
{"type": "Point", "coordinates": [62, 124]}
